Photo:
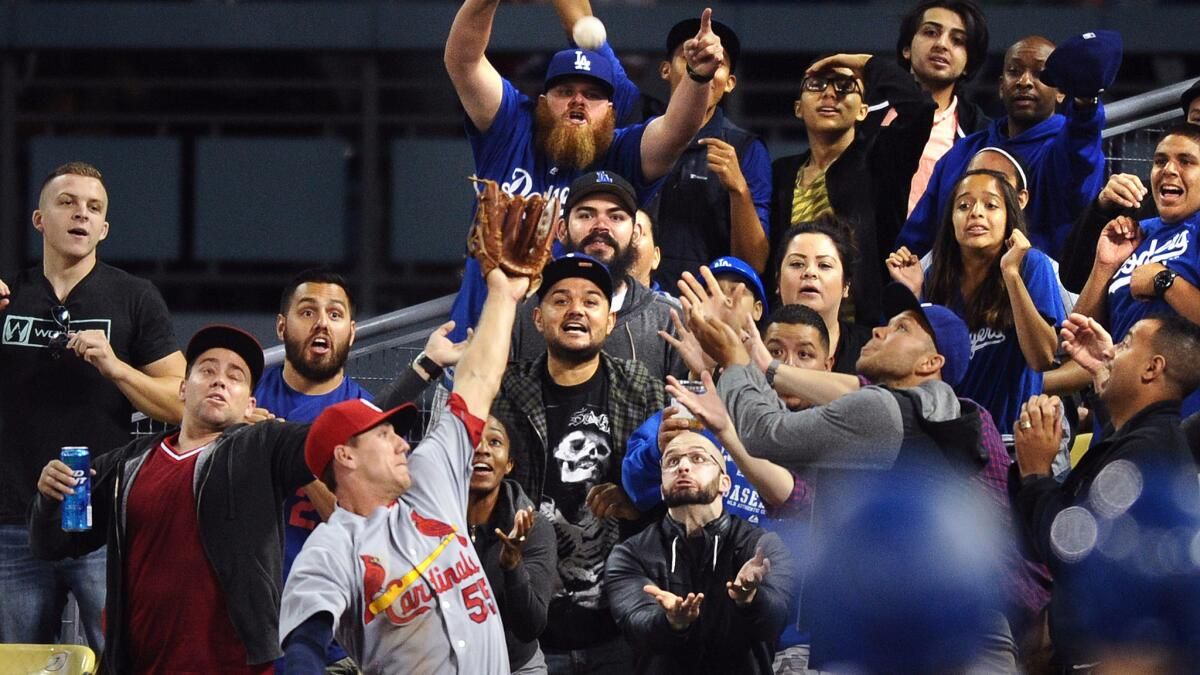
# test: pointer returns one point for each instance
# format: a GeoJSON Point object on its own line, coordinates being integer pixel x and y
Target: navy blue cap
{"type": "Point", "coordinates": [580, 63]}
{"type": "Point", "coordinates": [1085, 65]}
{"type": "Point", "coordinates": [950, 334]}
{"type": "Point", "coordinates": [687, 29]}
{"type": "Point", "coordinates": [741, 269]}
{"type": "Point", "coordinates": [576, 265]}
{"type": "Point", "coordinates": [605, 182]}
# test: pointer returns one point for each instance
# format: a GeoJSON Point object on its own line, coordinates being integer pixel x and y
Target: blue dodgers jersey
{"type": "Point", "coordinates": [998, 377]}
{"type": "Point", "coordinates": [299, 517]}
{"type": "Point", "coordinates": [1173, 245]}
{"type": "Point", "coordinates": [507, 154]}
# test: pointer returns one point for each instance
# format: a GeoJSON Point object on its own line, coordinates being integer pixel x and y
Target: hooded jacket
{"type": "Point", "coordinates": [1065, 160]}
{"type": "Point", "coordinates": [240, 482]}
{"type": "Point", "coordinates": [725, 638]}
{"type": "Point", "coordinates": [523, 594]}
{"type": "Point", "coordinates": [634, 338]}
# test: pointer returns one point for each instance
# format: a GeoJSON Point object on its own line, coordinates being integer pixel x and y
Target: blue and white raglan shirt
{"type": "Point", "coordinates": [1172, 244]}
{"type": "Point", "coordinates": [507, 154]}
{"type": "Point", "coordinates": [998, 377]}
{"type": "Point", "coordinates": [299, 516]}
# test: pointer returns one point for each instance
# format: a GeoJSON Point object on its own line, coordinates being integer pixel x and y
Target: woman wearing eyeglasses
{"type": "Point", "coordinates": [843, 171]}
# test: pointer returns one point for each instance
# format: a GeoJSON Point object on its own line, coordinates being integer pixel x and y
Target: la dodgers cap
{"type": "Point", "coordinates": [602, 182]}
{"type": "Point", "coordinates": [576, 265]}
{"type": "Point", "coordinates": [950, 334]}
{"type": "Point", "coordinates": [340, 422]}
{"type": "Point", "coordinates": [235, 340]}
{"type": "Point", "coordinates": [1086, 64]}
{"type": "Point", "coordinates": [580, 63]}
{"type": "Point", "coordinates": [740, 268]}
{"type": "Point", "coordinates": [687, 29]}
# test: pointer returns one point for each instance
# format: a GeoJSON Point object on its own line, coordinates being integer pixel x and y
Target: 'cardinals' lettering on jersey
{"type": "Point", "coordinates": [406, 589]}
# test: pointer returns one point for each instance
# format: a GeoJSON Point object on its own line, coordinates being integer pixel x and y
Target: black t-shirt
{"type": "Point", "coordinates": [48, 402]}
{"type": "Point", "coordinates": [581, 456]}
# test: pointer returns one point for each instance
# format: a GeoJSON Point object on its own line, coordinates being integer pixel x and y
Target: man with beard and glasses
{"type": "Point", "coordinates": [539, 146]}
{"type": "Point", "coordinates": [570, 411]}
{"type": "Point", "coordinates": [316, 325]}
{"type": "Point", "coordinates": [601, 222]}
{"type": "Point", "coordinates": [700, 590]}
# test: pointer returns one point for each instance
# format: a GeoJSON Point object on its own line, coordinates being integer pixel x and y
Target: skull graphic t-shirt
{"type": "Point", "coordinates": [580, 446]}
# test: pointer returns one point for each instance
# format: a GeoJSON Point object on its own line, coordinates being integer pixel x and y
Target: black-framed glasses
{"type": "Point", "coordinates": [58, 343]}
{"type": "Point", "coordinates": [842, 84]}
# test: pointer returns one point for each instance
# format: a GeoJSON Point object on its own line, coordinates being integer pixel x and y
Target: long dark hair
{"type": "Point", "coordinates": [989, 305]}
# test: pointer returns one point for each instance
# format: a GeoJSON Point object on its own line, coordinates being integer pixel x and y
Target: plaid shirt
{"type": "Point", "coordinates": [633, 396]}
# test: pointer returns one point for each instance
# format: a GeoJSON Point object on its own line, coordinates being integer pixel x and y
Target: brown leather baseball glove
{"type": "Point", "coordinates": [512, 233]}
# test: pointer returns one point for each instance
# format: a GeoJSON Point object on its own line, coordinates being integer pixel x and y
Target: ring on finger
{"type": "Point", "coordinates": [1025, 424]}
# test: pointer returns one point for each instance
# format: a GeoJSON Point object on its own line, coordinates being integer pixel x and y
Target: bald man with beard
{"type": "Point", "coordinates": [539, 145]}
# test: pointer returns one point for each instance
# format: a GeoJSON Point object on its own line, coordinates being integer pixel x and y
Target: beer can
{"type": "Point", "coordinates": [77, 508]}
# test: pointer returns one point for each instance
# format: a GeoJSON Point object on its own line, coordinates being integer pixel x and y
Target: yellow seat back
{"type": "Point", "coordinates": [46, 660]}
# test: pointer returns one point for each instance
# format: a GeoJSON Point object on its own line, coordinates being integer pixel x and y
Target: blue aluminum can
{"type": "Point", "coordinates": [77, 508]}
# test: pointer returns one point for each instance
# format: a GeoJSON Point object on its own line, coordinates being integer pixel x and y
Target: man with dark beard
{"type": "Point", "coordinates": [570, 412]}
{"type": "Point", "coordinates": [316, 325]}
{"type": "Point", "coordinates": [601, 222]}
{"type": "Point", "coordinates": [539, 146]}
{"type": "Point", "coordinates": [700, 590]}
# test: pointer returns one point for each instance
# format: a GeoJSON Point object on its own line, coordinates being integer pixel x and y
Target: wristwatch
{"type": "Point", "coordinates": [1163, 281]}
{"type": "Point", "coordinates": [771, 370]}
{"type": "Point", "coordinates": [427, 367]}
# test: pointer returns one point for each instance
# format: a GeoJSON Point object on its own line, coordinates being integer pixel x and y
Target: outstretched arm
{"type": "Point", "coordinates": [666, 137]}
{"type": "Point", "coordinates": [479, 86]}
{"type": "Point", "coordinates": [477, 379]}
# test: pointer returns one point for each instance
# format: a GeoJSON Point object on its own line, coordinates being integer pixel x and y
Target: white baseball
{"type": "Point", "coordinates": [589, 32]}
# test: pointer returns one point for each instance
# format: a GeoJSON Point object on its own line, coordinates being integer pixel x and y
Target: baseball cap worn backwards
{"type": "Point", "coordinates": [950, 334]}
{"type": "Point", "coordinates": [340, 422]}
{"type": "Point", "coordinates": [235, 340]}
{"type": "Point", "coordinates": [571, 63]}
{"type": "Point", "coordinates": [602, 182]}
{"type": "Point", "coordinates": [576, 265]}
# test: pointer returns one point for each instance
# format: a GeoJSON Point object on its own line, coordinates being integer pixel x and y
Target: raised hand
{"type": "Point", "coordinates": [1038, 434]}
{"type": "Point", "coordinates": [704, 53]}
{"type": "Point", "coordinates": [745, 586]}
{"type": "Point", "coordinates": [609, 499]}
{"type": "Point", "coordinates": [905, 267]}
{"type": "Point", "coordinates": [441, 350]}
{"type": "Point", "coordinates": [687, 347]}
{"type": "Point", "coordinates": [672, 425]}
{"type": "Point", "coordinates": [855, 63]}
{"type": "Point", "coordinates": [1088, 344]}
{"type": "Point", "coordinates": [717, 338]}
{"type": "Point", "coordinates": [1123, 190]}
{"type": "Point", "coordinates": [707, 407]}
{"type": "Point", "coordinates": [681, 612]}
{"type": "Point", "coordinates": [760, 356]}
{"type": "Point", "coordinates": [1118, 240]}
{"type": "Point", "coordinates": [1018, 245]}
{"type": "Point", "coordinates": [512, 545]}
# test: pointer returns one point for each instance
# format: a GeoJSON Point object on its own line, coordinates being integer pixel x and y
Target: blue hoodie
{"type": "Point", "coordinates": [1066, 171]}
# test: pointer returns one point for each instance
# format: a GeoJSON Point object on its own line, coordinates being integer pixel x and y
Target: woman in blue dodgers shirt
{"type": "Point", "coordinates": [985, 270]}
{"type": "Point", "coordinates": [1153, 267]}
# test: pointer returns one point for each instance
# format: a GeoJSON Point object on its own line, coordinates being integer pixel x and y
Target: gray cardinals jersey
{"type": "Point", "coordinates": [404, 585]}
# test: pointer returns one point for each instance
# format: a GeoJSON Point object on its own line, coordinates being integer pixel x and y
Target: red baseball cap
{"type": "Point", "coordinates": [340, 422]}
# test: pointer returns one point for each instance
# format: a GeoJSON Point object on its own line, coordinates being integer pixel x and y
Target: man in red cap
{"type": "Point", "coordinates": [392, 572]}
{"type": "Point", "coordinates": [192, 517]}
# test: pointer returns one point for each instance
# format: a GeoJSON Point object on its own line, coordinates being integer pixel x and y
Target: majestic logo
{"type": "Point", "coordinates": [582, 62]}
{"type": "Point", "coordinates": [31, 331]}
{"type": "Point", "coordinates": [1174, 247]}
{"type": "Point", "coordinates": [403, 599]}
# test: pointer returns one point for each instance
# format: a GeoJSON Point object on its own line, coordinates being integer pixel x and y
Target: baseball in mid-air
{"type": "Point", "coordinates": [589, 32]}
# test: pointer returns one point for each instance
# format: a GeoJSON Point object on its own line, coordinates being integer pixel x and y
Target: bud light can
{"type": "Point", "coordinates": [77, 508]}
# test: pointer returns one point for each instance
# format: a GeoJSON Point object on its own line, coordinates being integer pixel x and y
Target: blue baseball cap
{"type": "Point", "coordinates": [950, 334]}
{"type": "Point", "coordinates": [1085, 65]}
{"type": "Point", "coordinates": [580, 63]}
{"type": "Point", "coordinates": [742, 270]}
{"type": "Point", "coordinates": [576, 265]}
